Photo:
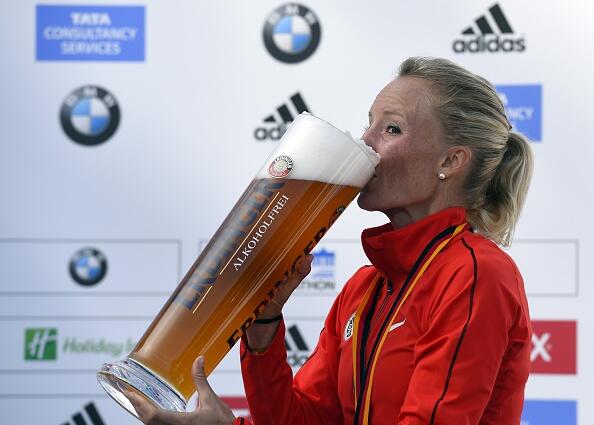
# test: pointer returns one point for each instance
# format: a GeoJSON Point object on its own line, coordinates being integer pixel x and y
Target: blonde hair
{"type": "Point", "coordinates": [473, 116]}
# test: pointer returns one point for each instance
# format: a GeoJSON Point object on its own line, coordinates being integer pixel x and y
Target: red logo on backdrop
{"type": "Point", "coordinates": [239, 406]}
{"type": "Point", "coordinates": [553, 347]}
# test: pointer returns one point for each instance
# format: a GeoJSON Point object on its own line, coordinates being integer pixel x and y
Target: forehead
{"type": "Point", "coordinates": [406, 96]}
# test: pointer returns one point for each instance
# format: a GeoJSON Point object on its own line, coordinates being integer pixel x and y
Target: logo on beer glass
{"type": "Point", "coordinates": [336, 214]}
{"type": "Point", "coordinates": [281, 167]}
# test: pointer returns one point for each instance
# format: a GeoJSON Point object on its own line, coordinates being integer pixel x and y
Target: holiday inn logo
{"type": "Point", "coordinates": [41, 343]}
{"type": "Point", "coordinates": [44, 344]}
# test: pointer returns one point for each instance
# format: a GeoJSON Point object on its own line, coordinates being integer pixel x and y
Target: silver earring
{"type": "Point", "coordinates": [441, 176]}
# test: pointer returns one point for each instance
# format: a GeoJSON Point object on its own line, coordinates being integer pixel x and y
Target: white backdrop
{"type": "Point", "coordinates": [192, 90]}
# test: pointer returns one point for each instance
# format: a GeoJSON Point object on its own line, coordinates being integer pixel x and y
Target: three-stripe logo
{"type": "Point", "coordinates": [491, 32]}
{"type": "Point", "coordinates": [277, 122]}
{"type": "Point", "coordinates": [297, 348]}
{"type": "Point", "coordinates": [484, 26]}
{"type": "Point", "coordinates": [91, 413]}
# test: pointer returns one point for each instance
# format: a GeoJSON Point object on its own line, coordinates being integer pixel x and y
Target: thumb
{"type": "Point", "coordinates": [202, 386]}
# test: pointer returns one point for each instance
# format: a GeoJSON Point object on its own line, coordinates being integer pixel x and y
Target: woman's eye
{"type": "Point", "coordinates": [394, 129]}
{"type": "Point", "coordinates": [365, 128]}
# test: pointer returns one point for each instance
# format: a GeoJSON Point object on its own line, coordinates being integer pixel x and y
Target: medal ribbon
{"type": "Point", "coordinates": [362, 307]}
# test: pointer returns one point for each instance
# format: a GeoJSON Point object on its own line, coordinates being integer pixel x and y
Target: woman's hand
{"type": "Point", "coordinates": [284, 291]}
{"type": "Point", "coordinates": [211, 410]}
{"type": "Point", "coordinates": [260, 336]}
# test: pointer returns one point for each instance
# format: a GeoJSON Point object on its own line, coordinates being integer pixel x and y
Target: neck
{"type": "Point", "coordinates": [403, 216]}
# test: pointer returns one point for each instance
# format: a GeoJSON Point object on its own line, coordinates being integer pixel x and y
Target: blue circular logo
{"type": "Point", "coordinates": [292, 33]}
{"type": "Point", "coordinates": [90, 115]}
{"type": "Point", "coordinates": [88, 266]}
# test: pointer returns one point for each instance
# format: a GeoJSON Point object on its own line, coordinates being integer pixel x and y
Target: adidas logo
{"type": "Point", "coordinates": [485, 38]}
{"type": "Point", "coordinates": [297, 349]}
{"type": "Point", "coordinates": [278, 122]}
{"type": "Point", "coordinates": [484, 26]}
{"type": "Point", "coordinates": [91, 412]}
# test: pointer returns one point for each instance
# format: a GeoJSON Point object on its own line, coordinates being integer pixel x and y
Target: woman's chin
{"type": "Point", "coordinates": [363, 201]}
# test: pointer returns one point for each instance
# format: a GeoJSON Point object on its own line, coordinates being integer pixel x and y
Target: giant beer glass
{"type": "Point", "coordinates": [310, 178]}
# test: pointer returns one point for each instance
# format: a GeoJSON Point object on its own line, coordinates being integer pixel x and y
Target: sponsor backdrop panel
{"type": "Point", "coordinates": [85, 266]}
{"type": "Point", "coordinates": [129, 130]}
{"type": "Point", "coordinates": [84, 409]}
{"type": "Point", "coordinates": [560, 276]}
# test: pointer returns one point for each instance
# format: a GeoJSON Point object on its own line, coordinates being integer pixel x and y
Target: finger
{"type": "Point", "coordinates": [284, 291]}
{"type": "Point", "coordinates": [144, 409]}
{"type": "Point", "coordinates": [304, 266]}
{"type": "Point", "coordinates": [287, 286]}
{"type": "Point", "coordinates": [202, 386]}
{"type": "Point", "coordinates": [149, 414]}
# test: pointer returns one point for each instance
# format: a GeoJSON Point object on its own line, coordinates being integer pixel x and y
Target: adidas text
{"type": "Point", "coordinates": [491, 44]}
{"type": "Point", "coordinates": [297, 359]}
{"type": "Point", "coordinates": [273, 133]}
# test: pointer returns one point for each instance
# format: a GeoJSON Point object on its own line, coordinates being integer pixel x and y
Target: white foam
{"type": "Point", "coordinates": [321, 152]}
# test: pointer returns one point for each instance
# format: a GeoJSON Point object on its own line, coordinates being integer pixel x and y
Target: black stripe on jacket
{"type": "Point", "coordinates": [462, 334]}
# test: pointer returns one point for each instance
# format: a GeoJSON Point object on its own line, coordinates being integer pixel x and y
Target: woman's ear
{"type": "Point", "coordinates": [455, 161]}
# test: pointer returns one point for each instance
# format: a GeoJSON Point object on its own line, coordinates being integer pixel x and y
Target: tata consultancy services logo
{"type": "Point", "coordinates": [41, 344]}
{"type": "Point", "coordinates": [292, 33]}
{"type": "Point", "coordinates": [90, 115]}
{"type": "Point", "coordinates": [90, 33]}
{"type": "Point", "coordinates": [88, 266]}
{"type": "Point", "coordinates": [549, 412]}
{"type": "Point", "coordinates": [553, 347]}
{"type": "Point", "coordinates": [493, 33]}
{"type": "Point", "coordinates": [523, 107]}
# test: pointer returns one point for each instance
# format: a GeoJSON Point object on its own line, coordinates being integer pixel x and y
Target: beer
{"type": "Point", "coordinates": [310, 179]}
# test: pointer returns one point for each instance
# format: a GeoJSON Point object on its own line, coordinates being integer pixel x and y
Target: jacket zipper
{"type": "Point", "coordinates": [377, 313]}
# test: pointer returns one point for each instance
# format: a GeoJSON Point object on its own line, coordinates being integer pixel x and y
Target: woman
{"type": "Point", "coordinates": [436, 330]}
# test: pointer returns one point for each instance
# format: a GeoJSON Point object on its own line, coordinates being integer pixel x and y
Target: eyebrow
{"type": "Point", "coordinates": [370, 115]}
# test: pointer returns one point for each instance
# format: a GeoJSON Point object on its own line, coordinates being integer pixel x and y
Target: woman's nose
{"type": "Point", "coordinates": [369, 138]}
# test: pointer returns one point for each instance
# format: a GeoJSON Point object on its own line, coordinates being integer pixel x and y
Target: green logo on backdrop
{"type": "Point", "coordinates": [41, 343]}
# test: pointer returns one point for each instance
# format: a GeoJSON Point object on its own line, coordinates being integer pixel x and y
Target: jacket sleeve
{"type": "Point", "coordinates": [458, 354]}
{"type": "Point", "coordinates": [274, 396]}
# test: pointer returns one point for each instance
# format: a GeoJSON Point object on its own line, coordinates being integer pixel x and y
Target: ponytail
{"type": "Point", "coordinates": [506, 192]}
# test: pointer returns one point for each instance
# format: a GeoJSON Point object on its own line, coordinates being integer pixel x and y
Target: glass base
{"type": "Point", "coordinates": [130, 376]}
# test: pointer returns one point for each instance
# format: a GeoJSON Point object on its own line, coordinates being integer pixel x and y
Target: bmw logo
{"type": "Point", "coordinates": [90, 115]}
{"type": "Point", "coordinates": [292, 33]}
{"type": "Point", "coordinates": [88, 266]}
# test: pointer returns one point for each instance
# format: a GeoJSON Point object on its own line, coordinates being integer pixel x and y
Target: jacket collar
{"type": "Point", "coordinates": [394, 251]}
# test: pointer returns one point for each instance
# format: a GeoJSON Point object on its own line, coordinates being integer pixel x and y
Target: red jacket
{"type": "Point", "coordinates": [458, 351]}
